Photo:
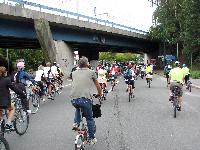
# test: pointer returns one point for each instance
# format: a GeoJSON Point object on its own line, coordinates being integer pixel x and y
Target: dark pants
{"type": "Point", "coordinates": [187, 77]}
{"type": "Point", "coordinates": [25, 103]}
{"type": "Point", "coordinates": [86, 107]}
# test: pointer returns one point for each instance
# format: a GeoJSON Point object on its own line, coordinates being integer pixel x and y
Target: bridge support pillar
{"type": "Point", "coordinates": [64, 56]}
{"type": "Point", "coordinates": [45, 38]}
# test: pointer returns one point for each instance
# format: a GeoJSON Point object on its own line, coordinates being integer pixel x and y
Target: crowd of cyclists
{"type": "Point", "coordinates": [85, 82]}
{"type": "Point", "coordinates": [19, 80]}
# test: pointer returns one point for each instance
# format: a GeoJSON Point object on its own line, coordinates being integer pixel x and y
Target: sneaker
{"type": "Point", "coordinates": [75, 127]}
{"type": "Point", "coordinates": [29, 111]}
{"type": "Point", "coordinates": [105, 91]}
{"type": "Point", "coordinates": [9, 127]}
{"type": "Point", "coordinates": [92, 141]}
{"type": "Point", "coordinates": [179, 108]}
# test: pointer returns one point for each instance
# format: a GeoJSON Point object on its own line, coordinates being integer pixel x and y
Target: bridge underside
{"type": "Point", "coordinates": [18, 43]}
{"type": "Point", "coordinates": [24, 43]}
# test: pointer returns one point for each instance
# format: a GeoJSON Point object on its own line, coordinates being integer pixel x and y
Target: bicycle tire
{"type": "Point", "coordinates": [190, 88]}
{"type": "Point", "coordinates": [4, 144]}
{"type": "Point", "coordinates": [21, 119]}
{"type": "Point", "coordinates": [175, 107]}
{"type": "Point", "coordinates": [149, 82]}
{"type": "Point", "coordinates": [35, 103]}
{"type": "Point", "coordinates": [79, 146]}
{"type": "Point", "coordinates": [129, 97]}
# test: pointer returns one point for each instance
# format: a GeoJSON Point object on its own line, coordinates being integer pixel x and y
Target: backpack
{"type": "Point", "coordinates": [128, 73]}
{"type": "Point", "coordinates": [17, 77]}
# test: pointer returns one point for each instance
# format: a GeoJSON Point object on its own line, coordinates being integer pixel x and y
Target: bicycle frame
{"type": "Point", "coordinates": [82, 136]}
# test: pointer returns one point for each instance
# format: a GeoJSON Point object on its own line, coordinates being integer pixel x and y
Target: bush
{"type": "Point", "coordinates": [195, 74]}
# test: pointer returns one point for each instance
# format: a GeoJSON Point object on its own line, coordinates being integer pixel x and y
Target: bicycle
{"type": "Point", "coordinates": [130, 92]}
{"type": "Point", "coordinates": [4, 144]}
{"type": "Point", "coordinates": [103, 97]}
{"type": "Point", "coordinates": [175, 97]}
{"type": "Point", "coordinates": [82, 137]}
{"type": "Point", "coordinates": [34, 96]}
{"type": "Point", "coordinates": [113, 82]}
{"type": "Point", "coordinates": [21, 117]}
{"type": "Point", "coordinates": [149, 79]}
{"type": "Point", "coordinates": [189, 85]}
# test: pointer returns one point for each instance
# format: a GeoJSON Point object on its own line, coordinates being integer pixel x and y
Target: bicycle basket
{"type": "Point", "coordinates": [96, 111]}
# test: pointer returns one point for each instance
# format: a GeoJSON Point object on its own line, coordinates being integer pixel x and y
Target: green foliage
{"type": "Point", "coordinates": [195, 74]}
{"type": "Point", "coordinates": [178, 21]}
{"type": "Point", "coordinates": [110, 56]}
{"type": "Point", "coordinates": [31, 57]}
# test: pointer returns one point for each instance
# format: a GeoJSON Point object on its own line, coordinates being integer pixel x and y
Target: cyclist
{"type": "Point", "coordinates": [102, 73]}
{"type": "Point", "coordinates": [49, 77]}
{"type": "Point", "coordinates": [166, 71]}
{"type": "Point", "coordinates": [84, 83]}
{"type": "Point", "coordinates": [5, 98]}
{"type": "Point", "coordinates": [142, 71]}
{"type": "Point", "coordinates": [148, 72]}
{"type": "Point", "coordinates": [113, 73]}
{"type": "Point", "coordinates": [176, 78]}
{"type": "Point", "coordinates": [129, 77]}
{"type": "Point", "coordinates": [20, 79]}
{"type": "Point", "coordinates": [38, 78]}
{"type": "Point", "coordinates": [186, 72]}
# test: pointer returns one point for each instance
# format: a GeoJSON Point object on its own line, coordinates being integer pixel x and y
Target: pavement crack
{"type": "Point", "coordinates": [121, 138]}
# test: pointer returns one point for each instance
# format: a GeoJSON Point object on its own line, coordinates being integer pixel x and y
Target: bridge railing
{"type": "Point", "coordinates": [69, 14]}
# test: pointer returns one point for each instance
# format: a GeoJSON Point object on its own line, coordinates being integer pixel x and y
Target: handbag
{"type": "Point", "coordinates": [96, 111]}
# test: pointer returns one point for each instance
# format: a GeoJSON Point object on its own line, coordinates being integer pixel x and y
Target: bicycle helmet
{"type": "Point", "coordinates": [20, 65]}
{"type": "Point", "coordinates": [177, 63]}
{"type": "Point", "coordinates": [184, 65]}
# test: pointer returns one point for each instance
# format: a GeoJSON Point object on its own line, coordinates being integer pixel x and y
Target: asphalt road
{"type": "Point", "coordinates": [145, 123]}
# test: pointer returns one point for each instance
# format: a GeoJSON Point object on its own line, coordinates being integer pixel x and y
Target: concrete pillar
{"type": "Point", "coordinates": [64, 56]}
{"type": "Point", "coordinates": [146, 58]}
{"type": "Point", "coordinates": [45, 38]}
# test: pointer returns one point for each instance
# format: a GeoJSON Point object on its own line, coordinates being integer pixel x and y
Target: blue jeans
{"type": "Point", "coordinates": [86, 107]}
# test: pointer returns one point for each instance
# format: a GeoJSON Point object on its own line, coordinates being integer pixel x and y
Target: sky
{"type": "Point", "coordinates": [132, 13]}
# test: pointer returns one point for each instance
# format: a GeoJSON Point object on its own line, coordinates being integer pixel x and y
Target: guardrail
{"type": "Point", "coordinates": [77, 16]}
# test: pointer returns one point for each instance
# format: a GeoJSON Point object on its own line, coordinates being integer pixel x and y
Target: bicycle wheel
{"type": "Point", "coordinates": [4, 144]}
{"type": "Point", "coordinates": [129, 97]}
{"type": "Point", "coordinates": [79, 142]}
{"type": "Point", "coordinates": [35, 103]}
{"type": "Point", "coordinates": [149, 83]}
{"type": "Point", "coordinates": [21, 121]}
{"type": "Point", "coordinates": [190, 88]}
{"type": "Point", "coordinates": [175, 107]}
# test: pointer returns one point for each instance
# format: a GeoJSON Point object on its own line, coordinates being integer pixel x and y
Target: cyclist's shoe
{"type": "Point", "coordinates": [75, 127]}
{"type": "Point", "coordinates": [29, 111]}
{"type": "Point", "coordinates": [179, 108]}
{"type": "Point", "coordinates": [170, 98]}
{"type": "Point", "coordinates": [9, 127]}
{"type": "Point", "coordinates": [92, 141]}
{"type": "Point", "coordinates": [105, 91]}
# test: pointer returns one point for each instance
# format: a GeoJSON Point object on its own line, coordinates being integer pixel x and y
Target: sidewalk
{"type": "Point", "coordinates": [195, 82]}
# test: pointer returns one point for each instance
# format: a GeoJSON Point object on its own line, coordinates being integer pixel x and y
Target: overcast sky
{"type": "Point", "coordinates": [133, 13]}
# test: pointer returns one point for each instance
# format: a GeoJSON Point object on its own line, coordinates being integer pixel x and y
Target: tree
{"type": "Point", "coordinates": [178, 21]}
{"type": "Point", "coordinates": [110, 56]}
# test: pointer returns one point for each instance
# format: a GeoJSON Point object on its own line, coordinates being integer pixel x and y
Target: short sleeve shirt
{"type": "Point", "coordinates": [83, 83]}
{"type": "Point", "coordinates": [176, 74]}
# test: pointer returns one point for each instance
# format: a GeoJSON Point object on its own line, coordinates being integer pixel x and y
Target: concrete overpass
{"type": "Point", "coordinates": [59, 35]}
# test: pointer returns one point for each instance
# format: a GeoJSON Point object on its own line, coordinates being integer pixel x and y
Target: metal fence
{"type": "Point", "coordinates": [43, 8]}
